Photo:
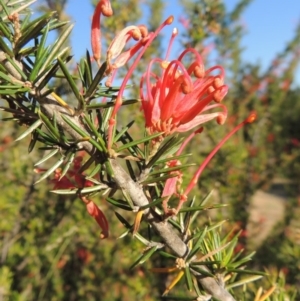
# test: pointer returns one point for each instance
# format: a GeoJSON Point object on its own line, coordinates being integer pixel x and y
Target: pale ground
{"type": "Point", "coordinates": [266, 211]}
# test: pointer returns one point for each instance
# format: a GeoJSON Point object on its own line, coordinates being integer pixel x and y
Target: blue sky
{"type": "Point", "coordinates": [269, 25]}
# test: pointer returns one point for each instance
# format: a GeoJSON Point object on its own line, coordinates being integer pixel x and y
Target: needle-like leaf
{"type": "Point", "coordinates": [51, 170]}
{"type": "Point", "coordinates": [35, 125]}
{"type": "Point", "coordinates": [48, 156]}
{"type": "Point", "coordinates": [147, 254]}
{"type": "Point", "coordinates": [98, 77]}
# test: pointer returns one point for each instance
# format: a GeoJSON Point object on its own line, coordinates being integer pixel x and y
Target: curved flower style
{"type": "Point", "coordinates": [138, 33]}
{"type": "Point", "coordinates": [175, 100]}
{"type": "Point", "coordinates": [103, 8]}
{"type": "Point", "coordinates": [173, 185]}
{"type": "Point", "coordinates": [114, 52]}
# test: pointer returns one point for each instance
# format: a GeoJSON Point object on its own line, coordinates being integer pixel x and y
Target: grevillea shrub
{"type": "Point", "coordinates": [88, 168]}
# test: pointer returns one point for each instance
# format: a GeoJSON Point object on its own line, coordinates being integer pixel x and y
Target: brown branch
{"type": "Point", "coordinates": [164, 229]}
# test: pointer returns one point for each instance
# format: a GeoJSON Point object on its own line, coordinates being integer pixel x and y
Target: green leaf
{"type": "Point", "coordinates": [93, 180]}
{"type": "Point", "coordinates": [85, 71]}
{"type": "Point", "coordinates": [33, 29]}
{"type": "Point", "coordinates": [47, 138]}
{"type": "Point", "coordinates": [241, 261]}
{"type": "Point", "coordinates": [14, 90]}
{"type": "Point", "coordinates": [130, 170]}
{"type": "Point", "coordinates": [147, 254]}
{"type": "Point", "coordinates": [25, 21]}
{"type": "Point", "coordinates": [167, 255]}
{"type": "Point", "coordinates": [209, 228]}
{"type": "Point", "coordinates": [110, 104]}
{"type": "Point", "coordinates": [6, 49]}
{"type": "Point", "coordinates": [125, 138]}
{"type": "Point", "coordinates": [55, 24]}
{"type": "Point", "coordinates": [17, 68]}
{"type": "Point", "coordinates": [123, 220]}
{"type": "Point", "coordinates": [216, 225]}
{"type": "Point", "coordinates": [75, 190]}
{"type": "Point", "coordinates": [217, 246]}
{"type": "Point", "coordinates": [55, 52]}
{"type": "Point", "coordinates": [16, 10]}
{"type": "Point", "coordinates": [142, 239]}
{"type": "Point", "coordinates": [9, 79]}
{"type": "Point", "coordinates": [34, 138]}
{"type": "Point", "coordinates": [35, 125]}
{"type": "Point", "coordinates": [196, 288]}
{"type": "Point", "coordinates": [158, 179]}
{"type": "Point", "coordinates": [124, 234]}
{"type": "Point", "coordinates": [123, 131]}
{"type": "Point", "coordinates": [71, 82]}
{"type": "Point", "coordinates": [187, 218]}
{"type": "Point", "coordinates": [44, 77]}
{"type": "Point", "coordinates": [250, 272]}
{"type": "Point", "coordinates": [163, 150]}
{"type": "Point", "coordinates": [98, 77]}
{"type": "Point", "coordinates": [152, 204]}
{"type": "Point", "coordinates": [5, 9]}
{"type": "Point", "coordinates": [52, 129]}
{"type": "Point", "coordinates": [39, 62]}
{"type": "Point", "coordinates": [204, 271]}
{"type": "Point", "coordinates": [208, 207]}
{"type": "Point", "coordinates": [178, 298]}
{"type": "Point", "coordinates": [82, 72]}
{"type": "Point", "coordinates": [188, 278]}
{"type": "Point", "coordinates": [70, 160]}
{"type": "Point", "coordinates": [96, 169]}
{"type": "Point", "coordinates": [202, 203]}
{"type": "Point", "coordinates": [163, 161]}
{"type": "Point", "coordinates": [48, 156]}
{"type": "Point", "coordinates": [119, 203]}
{"type": "Point", "coordinates": [243, 281]}
{"type": "Point", "coordinates": [41, 47]}
{"type": "Point", "coordinates": [174, 223]}
{"type": "Point", "coordinates": [96, 133]}
{"type": "Point", "coordinates": [196, 247]}
{"type": "Point", "coordinates": [139, 141]}
{"type": "Point", "coordinates": [206, 263]}
{"type": "Point", "coordinates": [6, 31]}
{"type": "Point", "coordinates": [170, 169]}
{"type": "Point", "coordinates": [81, 131]}
{"type": "Point", "coordinates": [88, 69]}
{"type": "Point", "coordinates": [229, 252]}
{"type": "Point", "coordinates": [51, 170]}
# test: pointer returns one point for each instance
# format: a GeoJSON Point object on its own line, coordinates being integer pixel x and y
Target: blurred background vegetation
{"type": "Point", "coordinates": [50, 248]}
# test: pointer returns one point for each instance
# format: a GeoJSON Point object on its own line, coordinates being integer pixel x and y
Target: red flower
{"type": "Point", "coordinates": [103, 8]}
{"type": "Point", "coordinates": [175, 99]}
{"type": "Point", "coordinates": [98, 215]}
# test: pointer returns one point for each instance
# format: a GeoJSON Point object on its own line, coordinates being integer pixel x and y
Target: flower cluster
{"type": "Point", "coordinates": [175, 100]}
{"type": "Point", "coordinates": [177, 95]}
